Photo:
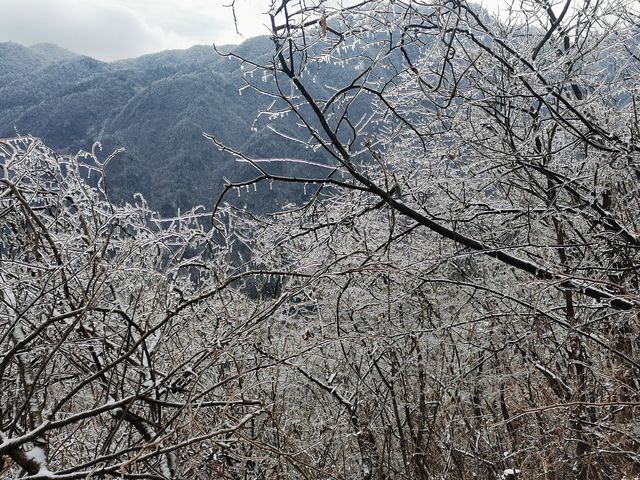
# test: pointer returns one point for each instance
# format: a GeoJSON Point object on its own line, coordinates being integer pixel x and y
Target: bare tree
{"type": "Point", "coordinates": [457, 299]}
{"type": "Point", "coordinates": [473, 246]}
{"type": "Point", "coordinates": [121, 336]}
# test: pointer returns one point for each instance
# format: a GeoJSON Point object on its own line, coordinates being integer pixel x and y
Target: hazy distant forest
{"type": "Point", "coordinates": [423, 264]}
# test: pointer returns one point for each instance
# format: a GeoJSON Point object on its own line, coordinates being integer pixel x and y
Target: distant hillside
{"type": "Point", "coordinates": [155, 106]}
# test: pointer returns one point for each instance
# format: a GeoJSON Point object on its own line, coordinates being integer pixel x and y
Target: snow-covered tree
{"type": "Point", "coordinates": [469, 262]}
{"type": "Point", "coordinates": [122, 335]}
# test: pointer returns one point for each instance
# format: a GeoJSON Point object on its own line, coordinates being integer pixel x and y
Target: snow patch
{"type": "Point", "coordinates": [37, 456]}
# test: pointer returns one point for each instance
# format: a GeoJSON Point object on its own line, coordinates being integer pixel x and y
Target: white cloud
{"type": "Point", "coordinates": [113, 29]}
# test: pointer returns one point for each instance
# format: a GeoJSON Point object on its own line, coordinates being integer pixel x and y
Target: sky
{"type": "Point", "coordinates": [115, 29]}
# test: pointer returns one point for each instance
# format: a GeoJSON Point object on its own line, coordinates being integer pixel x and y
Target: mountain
{"type": "Point", "coordinates": [18, 61]}
{"type": "Point", "coordinates": [155, 106]}
{"type": "Point", "coordinates": [52, 53]}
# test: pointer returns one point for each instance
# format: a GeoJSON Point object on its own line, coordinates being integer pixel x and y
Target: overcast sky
{"type": "Point", "coordinates": [115, 29]}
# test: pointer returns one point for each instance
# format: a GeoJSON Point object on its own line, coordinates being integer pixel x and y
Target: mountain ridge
{"type": "Point", "coordinates": [155, 106]}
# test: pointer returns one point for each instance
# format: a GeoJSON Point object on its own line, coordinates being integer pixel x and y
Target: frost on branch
{"type": "Point", "coordinates": [470, 265]}
{"type": "Point", "coordinates": [108, 326]}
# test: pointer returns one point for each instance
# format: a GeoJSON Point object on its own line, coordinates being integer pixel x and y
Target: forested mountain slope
{"type": "Point", "coordinates": [155, 106]}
